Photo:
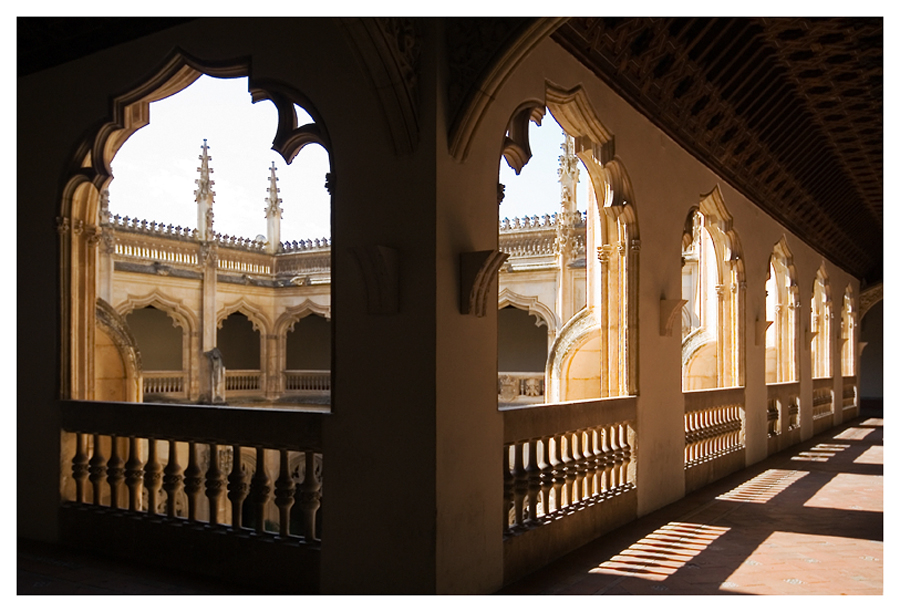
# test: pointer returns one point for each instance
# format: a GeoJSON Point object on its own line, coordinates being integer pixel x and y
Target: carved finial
{"type": "Point", "coordinates": [273, 213]}
{"type": "Point", "coordinates": [204, 195]}
{"type": "Point", "coordinates": [501, 193]}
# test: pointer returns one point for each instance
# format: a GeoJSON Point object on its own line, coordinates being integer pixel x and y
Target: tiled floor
{"type": "Point", "coordinates": [808, 521]}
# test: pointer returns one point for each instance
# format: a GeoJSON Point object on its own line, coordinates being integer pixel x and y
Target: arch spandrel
{"type": "Point", "coordinates": [256, 315]}
{"type": "Point", "coordinates": [290, 316]}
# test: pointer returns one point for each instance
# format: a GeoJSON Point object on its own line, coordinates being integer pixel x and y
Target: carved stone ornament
{"type": "Point", "coordinates": [119, 332]}
{"type": "Point", "coordinates": [62, 225]}
{"type": "Point", "coordinates": [477, 270]}
{"type": "Point", "coordinates": [380, 269]}
{"type": "Point", "coordinates": [669, 312]}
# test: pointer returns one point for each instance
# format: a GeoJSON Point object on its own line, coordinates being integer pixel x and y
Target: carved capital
{"type": "Point", "coordinates": [62, 225]}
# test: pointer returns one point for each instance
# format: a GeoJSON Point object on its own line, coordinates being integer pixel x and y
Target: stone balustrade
{"type": "Point", "coordinates": [307, 380]}
{"type": "Point", "coordinates": [713, 435]}
{"type": "Point", "coordinates": [142, 226]}
{"type": "Point", "coordinates": [520, 387]}
{"type": "Point", "coordinates": [849, 393]}
{"type": "Point", "coordinates": [783, 413]}
{"type": "Point", "coordinates": [297, 246]}
{"type": "Point", "coordinates": [193, 466]}
{"type": "Point", "coordinates": [242, 380]}
{"type": "Point", "coordinates": [568, 476]}
{"type": "Point", "coordinates": [544, 221]}
{"type": "Point", "coordinates": [822, 398]}
{"type": "Point", "coordinates": [163, 382]}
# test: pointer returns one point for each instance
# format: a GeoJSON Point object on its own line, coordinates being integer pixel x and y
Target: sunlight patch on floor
{"type": "Point", "coordinates": [764, 487]}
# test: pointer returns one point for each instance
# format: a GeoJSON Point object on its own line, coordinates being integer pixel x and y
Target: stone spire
{"type": "Point", "coordinates": [273, 213]}
{"type": "Point", "coordinates": [204, 196]}
{"type": "Point", "coordinates": [568, 182]}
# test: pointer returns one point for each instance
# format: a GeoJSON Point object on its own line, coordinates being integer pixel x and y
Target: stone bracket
{"type": "Point", "coordinates": [810, 336]}
{"type": "Point", "coordinates": [669, 311]}
{"type": "Point", "coordinates": [380, 269]}
{"type": "Point", "coordinates": [761, 328]}
{"type": "Point", "coordinates": [477, 270]}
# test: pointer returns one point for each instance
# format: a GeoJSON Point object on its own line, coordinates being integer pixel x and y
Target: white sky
{"type": "Point", "coordinates": [156, 169]}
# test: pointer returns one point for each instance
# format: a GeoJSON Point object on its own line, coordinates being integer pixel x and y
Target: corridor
{"type": "Point", "coordinates": [807, 521]}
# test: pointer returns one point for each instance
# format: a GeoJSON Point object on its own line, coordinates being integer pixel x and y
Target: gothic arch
{"type": "Point", "coordinates": [573, 335]}
{"type": "Point", "coordinates": [820, 326]}
{"type": "Point", "coordinates": [782, 306]}
{"type": "Point", "coordinates": [89, 175]}
{"type": "Point", "coordinates": [181, 316]}
{"type": "Point", "coordinates": [726, 311]}
{"type": "Point", "coordinates": [255, 314]}
{"type": "Point", "coordinates": [849, 333]}
{"type": "Point", "coordinates": [116, 328]}
{"type": "Point", "coordinates": [291, 315]}
{"type": "Point", "coordinates": [532, 304]}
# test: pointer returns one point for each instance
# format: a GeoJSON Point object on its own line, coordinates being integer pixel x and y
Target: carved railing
{"type": "Point", "coordinates": [822, 398]}
{"type": "Point", "coordinates": [849, 394]}
{"type": "Point", "coordinates": [163, 382]}
{"type": "Point", "coordinates": [237, 260]}
{"type": "Point", "coordinates": [783, 398]}
{"type": "Point", "coordinates": [242, 380]}
{"type": "Point", "coordinates": [536, 235]}
{"type": "Point", "coordinates": [296, 246]}
{"type": "Point", "coordinates": [520, 387]}
{"type": "Point", "coordinates": [206, 477]}
{"type": "Point", "coordinates": [307, 380]}
{"type": "Point", "coordinates": [550, 472]}
{"type": "Point", "coordinates": [304, 262]}
{"type": "Point", "coordinates": [161, 248]}
{"type": "Point", "coordinates": [713, 424]}
{"type": "Point", "coordinates": [142, 226]}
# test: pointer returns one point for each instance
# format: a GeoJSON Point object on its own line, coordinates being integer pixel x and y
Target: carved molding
{"type": "Point", "coordinates": [543, 313]}
{"type": "Point", "coordinates": [516, 144]}
{"type": "Point", "coordinates": [255, 314]}
{"type": "Point", "coordinates": [290, 138]}
{"type": "Point", "coordinates": [868, 297]}
{"type": "Point", "coordinates": [380, 270]}
{"type": "Point", "coordinates": [290, 316]}
{"type": "Point", "coordinates": [477, 271]}
{"type": "Point", "coordinates": [669, 313]}
{"type": "Point", "coordinates": [117, 329]}
{"type": "Point", "coordinates": [389, 49]}
{"type": "Point", "coordinates": [181, 315]}
{"type": "Point", "coordinates": [570, 337]}
{"type": "Point", "coordinates": [482, 53]}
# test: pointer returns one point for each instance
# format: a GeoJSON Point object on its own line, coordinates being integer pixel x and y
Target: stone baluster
{"type": "Point", "coordinates": [569, 463]}
{"type": "Point", "coordinates": [284, 494]}
{"type": "Point", "coordinates": [558, 471]}
{"type": "Point", "coordinates": [115, 472]}
{"type": "Point", "coordinates": [621, 474]}
{"type": "Point", "coordinates": [238, 487]}
{"type": "Point", "coordinates": [509, 483]}
{"type": "Point", "coordinates": [310, 497]}
{"type": "Point", "coordinates": [546, 475]}
{"type": "Point", "coordinates": [260, 489]}
{"type": "Point", "coordinates": [193, 481]}
{"type": "Point", "coordinates": [134, 475]}
{"type": "Point", "coordinates": [152, 477]}
{"type": "Point", "coordinates": [614, 473]}
{"type": "Point", "coordinates": [80, 467]}
{"type": "Point", "coordinates": [215, 484]}
{"type": "Point", "coordinates": [688, 437]}
{"type": "Point", "coordinates": [520, 490]}
{"type": "Point", "coordinates": [581, 461]}
{"type": "Point", "coordinates": [605, 460]}
{"type": "Point", "coordinates": [533, 479]}
{"type": "Point", "coordinates": [172, 479]}
{"type": "Point", "coordinates": [590, 469]}
{"type": "Point", "coordinates": [97, 469]}
{"type": "Point", "coordinates": [626, 452]}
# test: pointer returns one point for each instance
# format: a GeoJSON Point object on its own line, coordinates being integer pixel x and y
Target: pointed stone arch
{"type": "Point", "coordinates": [89, 175]}
{"type": "Point", "coordinates": [531, 304]}
{"type": "Point", "coordinates": [820, 326]}
{"type": "Point", "coordinates": [782, 308]}
{"type": "Point", "coordinates": [711, 249]}
{"type": "Point", "coordinates": [254, 313]}
{"type": "Point", "coordinates": [114, 326]}
{"type": "Point", "coordinates": [291, 315]}
{"type": "Point", "coordinates": [849, 333]}
{"type": "Point", "coordinates": [181, 315]}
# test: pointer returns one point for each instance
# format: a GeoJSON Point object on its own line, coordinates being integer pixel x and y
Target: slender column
{"type": "Point", "coordinates": [97, 469]}
{"type": "Point", "coordinates": [260, 489]}
{"type": "Point", "coordinates": [238, 487]}
{"type": "Point", "coordinates": [310, 497]}
{"type": "Point", "coordinates": [80, 467]}
{"type": "Point", "coordinates": [172, 479]}
{"type": "Point", "coordinates": [215, 484]}
{"type": "Point", "coordinates": [152, 476]}
{"type": "Point", "coordinates": [134, 475]}
{"type": "Point", "coordinates": [115, 472]}
{"type": "Point", "coordinates": [284, 494]}
{"type": "Point", "coordinates": [193, 481]}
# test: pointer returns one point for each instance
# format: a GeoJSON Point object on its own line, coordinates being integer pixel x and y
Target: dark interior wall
{"type": "Point", "coordinates": [309, 344]}
{"type": "Point", "coordinates": [238, 343]}
{"type": "Point", "coordinates": [159, 341]}
{"type": "Point", "coordinates": [871, 374]}
{"type": "Point", "coordinates": [521, 345]}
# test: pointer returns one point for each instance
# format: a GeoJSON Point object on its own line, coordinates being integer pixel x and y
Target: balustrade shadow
{"type": "Point", "coordinates": [769, 521]}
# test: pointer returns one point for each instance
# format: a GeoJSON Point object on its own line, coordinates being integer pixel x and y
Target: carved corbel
{"type": "Point", "coordinates": [859, 348]}
{"type": "Point", "coordinates": [516, 145]}
{"type": "Point", "coordinates": [810, 336]}
{"type": "Point", "coordinates": [669, 312]}
{"type": "Point", "coordinates": [380, 269]}
{"type": "Point", "coordinates": [761, 328]}
{"type": "Point", "coordinates": [477, 270]}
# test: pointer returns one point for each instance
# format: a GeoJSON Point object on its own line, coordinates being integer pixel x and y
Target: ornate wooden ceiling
{"type": "Point", "coordinates": [790, 111]}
